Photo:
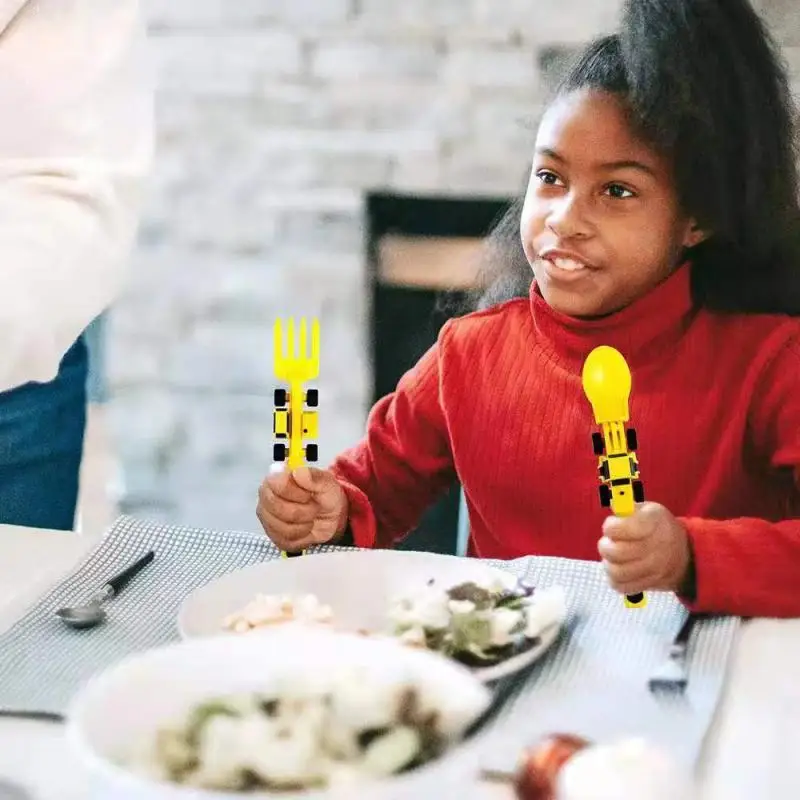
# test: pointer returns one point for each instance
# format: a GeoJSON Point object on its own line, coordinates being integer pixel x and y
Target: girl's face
{"type": "Point", "coordinates": [601, 224]}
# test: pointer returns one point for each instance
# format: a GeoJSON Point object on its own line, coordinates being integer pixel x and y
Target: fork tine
{"type": "Point", "coordinates": [673, 674]}
{"type": "Point", "coordinates": [668, 685]}
{"type": "Point", "coordinates": [294, 359]}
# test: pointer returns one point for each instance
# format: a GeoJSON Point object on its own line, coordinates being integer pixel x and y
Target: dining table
{"type": "Point", "coordinates": [751, 751]}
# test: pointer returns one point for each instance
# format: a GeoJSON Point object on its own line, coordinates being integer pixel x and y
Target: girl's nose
{"type": "Point", "coordinates": [567, 218]}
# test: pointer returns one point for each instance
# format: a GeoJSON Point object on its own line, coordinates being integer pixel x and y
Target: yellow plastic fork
{"type": "Point", "coordinates": [296, 364]}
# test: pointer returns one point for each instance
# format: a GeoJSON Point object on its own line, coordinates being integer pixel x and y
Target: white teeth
{"type": "Point", "coordinates": [568, 264]}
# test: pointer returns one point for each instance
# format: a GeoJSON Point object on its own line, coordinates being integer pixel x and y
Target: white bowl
{"type": "Point", "coordinates": [120, 708]}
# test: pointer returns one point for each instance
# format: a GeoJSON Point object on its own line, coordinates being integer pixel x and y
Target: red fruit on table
{"type": "Point", "coordinates": [539, 766]}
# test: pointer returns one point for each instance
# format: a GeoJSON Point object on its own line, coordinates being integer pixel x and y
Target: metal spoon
{"type": "Point", "coordinates": [92, 614]}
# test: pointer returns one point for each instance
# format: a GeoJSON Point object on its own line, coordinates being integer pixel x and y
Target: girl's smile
{"type": "Point", "coordinates": [562, 270]}
{"type": "Point", "coordinates": [601, 224]}
{"type": "Point", "coordinates": [563, 266]}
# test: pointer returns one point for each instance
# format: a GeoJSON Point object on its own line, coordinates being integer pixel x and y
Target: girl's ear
{"type": "Point", "coordinates": [694, 235]}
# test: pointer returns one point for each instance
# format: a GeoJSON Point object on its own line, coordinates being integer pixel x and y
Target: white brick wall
{"type": "Point", "coordinates": [275, 117]}
{"type": "Point", "coordinates": [227, 63]}
{"type": "Point", "coordinates": [374, 59]}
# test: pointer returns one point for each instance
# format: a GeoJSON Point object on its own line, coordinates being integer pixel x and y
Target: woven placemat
{"type": "Point", "coordinates": [593, 681]}
{"type": "Point", "coordinates": [43, 662]}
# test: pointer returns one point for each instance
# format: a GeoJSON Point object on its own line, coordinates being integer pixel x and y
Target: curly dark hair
{"type": "Point", "coordinates": [704, 84]}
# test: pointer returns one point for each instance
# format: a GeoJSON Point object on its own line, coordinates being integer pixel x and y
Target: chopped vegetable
{"type": "Point", "coordinates": [356, 730]}
{"type": "Point", "coordinates": [477, 624]}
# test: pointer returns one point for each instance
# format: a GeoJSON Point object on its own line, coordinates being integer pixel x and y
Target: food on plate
{"type": "Point", "coordinates": [265, 610]}
{"type": "Point", "coordinates": [478, 622]}
{"type": "Point", "coordinates": [627, 768]}
{"type": "Point", "coordinates": [314, 732]}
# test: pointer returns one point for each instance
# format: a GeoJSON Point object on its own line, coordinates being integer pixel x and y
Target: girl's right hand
{"type": "Point", "coordinates": [302, 508]}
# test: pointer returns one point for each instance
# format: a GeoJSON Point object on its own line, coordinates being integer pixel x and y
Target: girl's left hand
{"type": "Point", "coordinates": [648, 551]}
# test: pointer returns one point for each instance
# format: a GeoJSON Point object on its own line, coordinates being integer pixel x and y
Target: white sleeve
{"type": "Point", "coordinates": [76, 144]}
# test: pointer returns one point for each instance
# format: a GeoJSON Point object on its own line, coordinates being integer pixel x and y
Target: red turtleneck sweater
{"type": "Point", "coordinates": [498, 403]}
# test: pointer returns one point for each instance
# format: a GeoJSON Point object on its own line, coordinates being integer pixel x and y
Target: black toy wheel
{"type": "Point", "coordinates": [279, 452]}
{"type": "Point", "coordinates": [631, 440]}
{"type": "Point", "coordinates": [598, 444]}
{"type": "Point", "coordinates": [312, 398]}
{"type": "Point", "coordinates": [638, 492]}
{"type": "Point", "coordinates": [604, 471]}
{"type": "Point", "coordinates": [605, 495]}
{"type": "Point", "coordinates": [280, 398]}
{"type": "Point", "coordinates": [312, 452]}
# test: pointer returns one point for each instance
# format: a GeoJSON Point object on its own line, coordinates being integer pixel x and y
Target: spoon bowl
{"type": "Point", "coordinates": [91, 614]}
{"type": "Point", "coordinates": [80, 617]}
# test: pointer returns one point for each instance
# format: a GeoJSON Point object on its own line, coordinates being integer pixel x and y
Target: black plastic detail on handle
{"type": "Point", "coordinates": [119, 582]}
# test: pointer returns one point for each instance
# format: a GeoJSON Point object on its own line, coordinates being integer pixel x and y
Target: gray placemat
{"type": "Point", "coordinates": [43, 662]}
{"type": "Point", "coordinates": [593, 681]}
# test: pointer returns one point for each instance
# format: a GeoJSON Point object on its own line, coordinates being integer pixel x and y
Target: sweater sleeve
{"type": "Point", "coordinates": [75, 148]}
{"type": "Point", "coordinates": [751, 567]}
{"type": "Point", "coordinates": [404, 462]}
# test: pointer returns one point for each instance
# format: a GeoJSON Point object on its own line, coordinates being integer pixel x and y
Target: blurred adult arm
{"type": "Point", "coordinates": [76, 144]}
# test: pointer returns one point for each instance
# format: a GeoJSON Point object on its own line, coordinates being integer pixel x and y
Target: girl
{"type": "Point", "coordinates": [661, 218]}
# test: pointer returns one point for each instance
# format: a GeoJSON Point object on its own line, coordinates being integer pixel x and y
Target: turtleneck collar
{"type": "Point", "coordinates": [641, 331]}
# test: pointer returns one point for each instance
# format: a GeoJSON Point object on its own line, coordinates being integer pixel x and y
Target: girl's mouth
{"type": "Point", "coordinates": [564, 270]}
{"type": "Point", "coordinates": [567, 264]}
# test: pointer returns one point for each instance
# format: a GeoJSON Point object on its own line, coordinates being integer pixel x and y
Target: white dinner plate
{"type": "Point", "coordinates": [358, 586]}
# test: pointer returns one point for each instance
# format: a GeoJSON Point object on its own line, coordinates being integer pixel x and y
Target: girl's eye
{"type": "Point", "coordinates": [619, 192]}
{"type": "Point", "coordinates": [548, 178]}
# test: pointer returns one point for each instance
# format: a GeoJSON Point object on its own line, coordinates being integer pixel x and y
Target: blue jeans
{"type": "Point", "coordinates": [41, 446]}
